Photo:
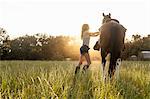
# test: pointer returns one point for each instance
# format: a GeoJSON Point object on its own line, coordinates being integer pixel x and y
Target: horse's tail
{"type": "Point", "coordinates": [113, 40]}
{"type": "Point", "coordinates": [113, 50]}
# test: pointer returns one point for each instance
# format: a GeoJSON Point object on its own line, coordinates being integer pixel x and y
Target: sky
{"type": "Point", "coordinates": [65, 17]}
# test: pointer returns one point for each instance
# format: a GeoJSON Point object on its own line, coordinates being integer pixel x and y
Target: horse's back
{"type": "Point", "coordinates": [112, 32]}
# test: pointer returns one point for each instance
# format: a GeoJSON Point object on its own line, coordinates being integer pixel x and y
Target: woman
{"type": "Point", "coordinates": [85, 36]}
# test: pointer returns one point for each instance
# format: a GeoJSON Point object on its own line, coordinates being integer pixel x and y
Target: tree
{"type": "Point", "coordinates": [40, 47]}
{"type": "Point", "coordinates": [24, 48]}
{"type": "Point", "coordinates": [4, 44]}
{"type": "Point", "coordinates": [138, 45]}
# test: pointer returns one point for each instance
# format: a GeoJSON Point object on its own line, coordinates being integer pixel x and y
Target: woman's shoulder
{"type": "Point", "coordinates": [87, 31]}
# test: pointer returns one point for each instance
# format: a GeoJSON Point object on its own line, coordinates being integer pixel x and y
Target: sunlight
{"type": "Point", "coordinates": [66, 18]}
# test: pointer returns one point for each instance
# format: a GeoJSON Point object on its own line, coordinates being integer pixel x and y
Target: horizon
{"type": "Point", "coordinates": [20, 17]}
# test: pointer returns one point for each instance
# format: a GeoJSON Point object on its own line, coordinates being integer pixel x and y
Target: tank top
{"type": "Point", "coordinates": [86, 38]}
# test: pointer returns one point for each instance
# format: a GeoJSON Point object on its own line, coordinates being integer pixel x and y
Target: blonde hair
{"type": "Point", "coordinates": [85, 27]}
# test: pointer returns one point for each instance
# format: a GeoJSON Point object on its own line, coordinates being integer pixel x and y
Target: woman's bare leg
{"type": "Point", "coordinates": [80, 63]}
{"type": "Point", "coordinates": [87, 57]}
{"type": "Point", "coordinates": [80, 60]}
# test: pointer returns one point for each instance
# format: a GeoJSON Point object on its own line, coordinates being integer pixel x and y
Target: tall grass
{"type": "Point", "coordinates": [56, 80]}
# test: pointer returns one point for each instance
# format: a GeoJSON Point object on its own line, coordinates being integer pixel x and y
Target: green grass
{"type": "Point", "coordinates": [56, 80]}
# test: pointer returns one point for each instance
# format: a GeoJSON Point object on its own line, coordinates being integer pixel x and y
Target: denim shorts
{"type": "Point", "coordinates": [84, 49]}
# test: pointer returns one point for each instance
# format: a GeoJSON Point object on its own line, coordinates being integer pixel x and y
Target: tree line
{"type": "Point", "coordinates": [38, 47]}
{"type": "Point", "coordinates": [43, 47]}
{"type": "Point", "coordinates": [135, 46]}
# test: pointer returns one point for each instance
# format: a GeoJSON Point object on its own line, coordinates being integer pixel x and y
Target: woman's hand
{"type": "Point", "coordinates": [94, 34]}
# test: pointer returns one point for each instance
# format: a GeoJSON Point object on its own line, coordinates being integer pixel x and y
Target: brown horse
{"type": "Point", "coordinates": [111, 41]}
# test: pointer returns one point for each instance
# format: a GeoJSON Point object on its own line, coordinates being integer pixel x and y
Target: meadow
{"type": "Point", "coordinates": [56, 80]}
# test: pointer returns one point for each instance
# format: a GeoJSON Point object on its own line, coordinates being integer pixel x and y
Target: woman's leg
{"type": "Point", "coordinates": [87, 57]}
{"type": "Point", "coordinates": [80, 60]}
{"type": "Point", "coordinates": [80, 63]}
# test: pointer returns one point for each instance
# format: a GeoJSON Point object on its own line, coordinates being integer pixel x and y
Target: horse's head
{"type": "Point", "coordinates": [106, 18]}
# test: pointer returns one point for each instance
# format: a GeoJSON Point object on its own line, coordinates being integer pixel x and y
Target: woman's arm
{"type": "Point", "coordinates": [94, 33]}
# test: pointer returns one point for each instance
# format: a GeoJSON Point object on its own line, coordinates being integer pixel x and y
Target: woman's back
{"type": "Point", "coordinates": [86, 38]}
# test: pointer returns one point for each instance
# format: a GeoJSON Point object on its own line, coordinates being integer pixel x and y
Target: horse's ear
{"type": "Point", "coordinates": [103, 14]}
{"type": "Point", "coordinates": [109, 14]}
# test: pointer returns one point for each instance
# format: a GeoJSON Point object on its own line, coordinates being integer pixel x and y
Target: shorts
{"type": "Point", "coordinates": [84, 49]}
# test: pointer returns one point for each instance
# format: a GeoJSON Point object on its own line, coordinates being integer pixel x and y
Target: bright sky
{"type": "Point", "coordinates": [65, 17]}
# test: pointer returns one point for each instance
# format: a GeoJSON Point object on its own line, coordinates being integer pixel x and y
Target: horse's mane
{"type": "Point", "coordinates": [115, 20]}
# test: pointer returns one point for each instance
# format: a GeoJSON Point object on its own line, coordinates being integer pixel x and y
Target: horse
{"type": "Point", "coordinates": [112, 35]}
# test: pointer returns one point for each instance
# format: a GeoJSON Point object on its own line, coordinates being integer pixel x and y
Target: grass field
{"type": "Point", "coordinates": [56, 80]}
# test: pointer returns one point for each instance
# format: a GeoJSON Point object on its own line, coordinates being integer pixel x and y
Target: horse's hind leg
{"type": "Point", "coordinates": [102, 67]}
{"type": "Point", "coordinates": [103, 54]}
{"type": "Point", "coordinates": [118, 63]}
{"type": "Point", "coordinates": [112, 65]}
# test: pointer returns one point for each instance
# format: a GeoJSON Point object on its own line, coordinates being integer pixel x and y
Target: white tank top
{"type": "Point", "coordinates": [86, 38]}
